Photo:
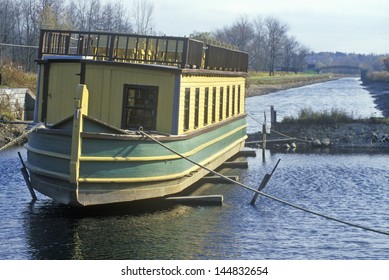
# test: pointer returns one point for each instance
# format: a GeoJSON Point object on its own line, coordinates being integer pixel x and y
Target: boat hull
{"type": "Point", "coordinates": [118, 167]}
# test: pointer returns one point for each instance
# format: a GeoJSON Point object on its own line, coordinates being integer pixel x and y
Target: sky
{"type": "Point", "coordinates": [351, 26]}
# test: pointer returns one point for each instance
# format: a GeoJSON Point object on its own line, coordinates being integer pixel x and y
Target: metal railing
{"type": "Point", "coordinates": [179, 52]}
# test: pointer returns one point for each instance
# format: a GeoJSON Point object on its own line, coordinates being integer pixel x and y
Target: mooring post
{"type": "Point", "coordinates": [27, 178]}
{"type": "Point", "coordinates": [273, 117]}
{"type": "Point", "coordinates": [263, 184]}
{"type": "Point", "coordinates": [264, 131]}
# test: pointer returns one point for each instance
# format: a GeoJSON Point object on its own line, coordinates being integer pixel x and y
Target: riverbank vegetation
{"type": "Point", "coordinates": [307, 116]}
{"type": "Point", "coordinates": [14, 77]}
{"type": "Point", "coordinates": [376, 77]}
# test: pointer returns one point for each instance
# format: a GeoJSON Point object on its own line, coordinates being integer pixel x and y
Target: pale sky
{"type": "Point", "coordinates": [352, 26]}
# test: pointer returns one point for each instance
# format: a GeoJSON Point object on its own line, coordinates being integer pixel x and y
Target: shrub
{"type": "Point", "coordinates": [308, 116]}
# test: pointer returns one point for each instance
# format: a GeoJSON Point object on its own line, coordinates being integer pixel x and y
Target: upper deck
{"type": "Point", "coordinates": [180, 52]}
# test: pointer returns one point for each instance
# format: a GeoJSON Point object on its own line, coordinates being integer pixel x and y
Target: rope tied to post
{"type": "Point", "coordinates": [21, 137]}
{"type": "Point", "coordinates": [261, 192]}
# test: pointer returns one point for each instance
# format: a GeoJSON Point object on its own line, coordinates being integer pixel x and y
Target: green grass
{"type": "Point", "coordinates": [263, 78]}
{"type": "Point", "coordinates": [308, 116]}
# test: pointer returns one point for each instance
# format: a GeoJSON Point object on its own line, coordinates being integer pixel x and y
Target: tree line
{"type": "Point", "coordinates": [21, 21]}
{"type": "Point", "coordinates": [266, 40]}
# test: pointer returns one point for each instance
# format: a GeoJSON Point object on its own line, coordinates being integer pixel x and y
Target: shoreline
{"type": "Point", "coordinates": [361, 134]}
{"type": "Point", "coordinates": [358, 134]}
{"type": "Point", "coordinates": [258, 89]}
{"type": "Point", "coordinates": [379, 91]}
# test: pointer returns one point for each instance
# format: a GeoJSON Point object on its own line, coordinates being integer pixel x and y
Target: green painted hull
{"type": "Point", "coordinates": [119, 167]}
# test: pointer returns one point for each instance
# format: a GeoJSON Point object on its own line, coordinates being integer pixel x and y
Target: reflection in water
{"type": "Point", "coordinates": [352, 187]}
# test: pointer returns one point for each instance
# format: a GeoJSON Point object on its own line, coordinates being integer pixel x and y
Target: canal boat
{"type": "Point", "coordinates": [121, 115]}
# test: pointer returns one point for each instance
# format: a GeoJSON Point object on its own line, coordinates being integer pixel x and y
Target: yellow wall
{"type": "Point", "coordinates": [202, 82]}
{"type": "Point", "coordinates": [106, 87]}
{"type": "Point", "coordinates": [106, 82]}
{"type": "Point", "coordinates": [61, 91]}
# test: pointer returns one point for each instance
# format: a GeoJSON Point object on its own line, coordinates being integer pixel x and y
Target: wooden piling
{"type": "Point", "coordinates": [218, 179]}
{"type": "Point", "coordinates": [273, 117]}
{"type": "Point", "coordinates": [197, 200]}
{"type": "Point", "coordinates": [235, 164]}
{"type": "Point", "coordinates": [263, 184]}
{"type": "Point", "coordinates": [27, 178]}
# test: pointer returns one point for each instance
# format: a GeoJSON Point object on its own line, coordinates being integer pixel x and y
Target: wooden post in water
{"type": "Point", "coordinates": [27, 178]}
{"type": "Point", "coordinates": [273, 117]}
{"type": "Point", "coordinates": [263, 184]}
{"type": "Point", "coordinates": [264, 137]}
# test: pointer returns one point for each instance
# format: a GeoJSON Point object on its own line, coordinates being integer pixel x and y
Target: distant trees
{"type": "Point", "coordinates": [386, 63]}
{"type": "Point", "coordinates": [21, 21]}
{"type": "Point", "coordinates": [266, 39]}
{"type": "Point", "coordinates": [267, 42]}
{"type": "Point", "coordinates": [370, 62]}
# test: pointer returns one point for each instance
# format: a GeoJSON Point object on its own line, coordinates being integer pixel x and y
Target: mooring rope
{"type": "Point", "coordinates": [260, 192]}
{"type": "Point", "coordinates": [277, 132]}
{"type": "Point", "coordinates": [16, 140]}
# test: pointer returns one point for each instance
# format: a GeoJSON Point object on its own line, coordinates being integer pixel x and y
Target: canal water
{"type": "Point", "coordinates": [347, 95]}
{"type": "Point", "coordinates": [349, 185]}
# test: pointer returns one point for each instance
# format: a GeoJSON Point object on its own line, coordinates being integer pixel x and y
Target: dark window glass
{"type": "Point", "coordinates": [140, 107]}
{"type": "Point", "coordinates": [206, 99]}
{"type": "Point", "coordinates": [186, 109]}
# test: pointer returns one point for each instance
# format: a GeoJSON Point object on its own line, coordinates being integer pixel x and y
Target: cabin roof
{"type": "Point", "coordinates": [161, 51]}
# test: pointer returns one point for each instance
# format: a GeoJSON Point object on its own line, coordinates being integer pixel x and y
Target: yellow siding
{"type": "Point", "coordinates": [61, 91]}
{"type": "Point", "coordinates": [106, 85]}
{"type": "Point", "coordinates": [203, 82]}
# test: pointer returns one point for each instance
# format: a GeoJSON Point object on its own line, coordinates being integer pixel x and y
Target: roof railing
{"type": "Point", "coordinates": [180, 52]}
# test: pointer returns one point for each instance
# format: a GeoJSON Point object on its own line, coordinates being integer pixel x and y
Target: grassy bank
{"type": "Point", "coordinates": [260, 83]}
{"type": "Point", "coordinates": [307, 116]}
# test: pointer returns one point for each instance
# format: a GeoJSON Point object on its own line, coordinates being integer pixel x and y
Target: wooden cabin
{"type": "Point", "coordinates": [167, 84]}
{"type": "Point", "coordinates": [98, 93]}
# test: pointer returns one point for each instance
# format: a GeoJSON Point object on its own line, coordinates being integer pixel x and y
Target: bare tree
{"type": "Point", "coordinates": [143, 15]}
{"type": "Point", "coordinates": [276, 30]}
{"type": "Point", "coordinates": [290, 46]}
{"type": "Point", "coordinates": [257, 45]}
{"type": "Point", "coordinates": [299, 57]}
{"type": "Point", "coordinates": [239, 34]}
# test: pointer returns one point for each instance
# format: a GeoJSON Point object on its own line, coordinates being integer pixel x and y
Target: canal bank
{"type": "Point", "coordinates": [367, 106]}
{"type": "Point", "coordinates": [369, 134]}
{"type": "Point", "coordinates": [261, 85]}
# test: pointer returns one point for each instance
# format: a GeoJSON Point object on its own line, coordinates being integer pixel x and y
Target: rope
{"type": "Point", "coordinates": [16, 140]}
{"type": "Point", "coordinates": [279, 133]}
{"type": "Point", "coordinates": [262, 193]}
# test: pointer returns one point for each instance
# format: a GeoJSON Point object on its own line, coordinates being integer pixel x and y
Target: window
{"type": "Point", "coordinates": [228, 102]}
{"type": "Point", "coordinates": [206, 99]}
{"type": "Point", "coordinates": [197, 108]}
{"type": "Point", "coordinates": [214, 104]}
{"type": "Point", "coordinates": [186, 108]}
{"type": "Point", "coordinates": [233, 100]}
{"type": "Point", "coordinates": [239, 99]}
{"type": "Point", "coordinates": [221, 104]}
{"type": "Point", "coordinates": [139, 107]}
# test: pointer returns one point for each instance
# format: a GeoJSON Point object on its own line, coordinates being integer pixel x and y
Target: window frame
{"type": "Point", "coordinates": [126, 109]}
